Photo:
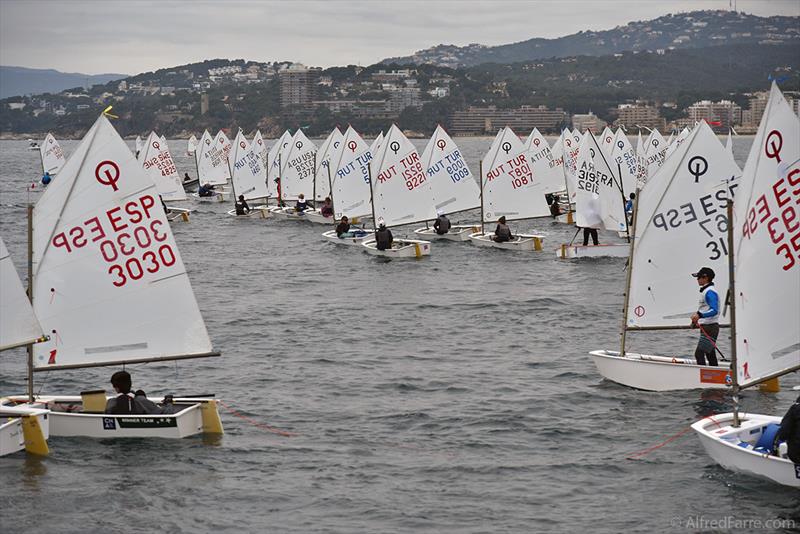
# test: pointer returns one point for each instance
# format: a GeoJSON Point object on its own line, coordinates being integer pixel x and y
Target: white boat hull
{"type": "Point", "coordinates": [724, 443]}
{"type": "Point", "coordinates": [216, 197]}
{"type": "Point", "coordinates": [67, 419]}
{"type": "Point", "coordinates": [287, 213]}
{"type": "Point", "coordinates": [519, 243]}
{"type": "Point", "coordinates": [331, 237]}
{"type": "Point", "coordinates": [12, 435]}
{"type": "Point", "coordinates": [315, 216]}
{"type": "Point", "coordinates": [256, 212]}
{"type": "Point", "coordinates": [659, 373]}
{"type": "Point", "coordinates": [459, 232]}
{"type": "Point", "coordinates": [615, 250]}
{"type": "Point", "coordinates": [401, 248]}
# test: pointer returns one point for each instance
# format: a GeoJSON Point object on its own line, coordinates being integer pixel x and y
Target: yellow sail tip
{"type": "Point", "coordinates": [35, 442]}
{"type": "Point", "coordinates": [107, 112]}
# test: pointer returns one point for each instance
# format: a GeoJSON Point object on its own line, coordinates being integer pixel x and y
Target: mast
{"type": "Point", "coordinates": [30, 297]}
{"type": "Point", "coordinates": [371, 199]}
{"type": "Point", "coordinates": [330, 186]}
{"type": "Point", "coordinates": [622, 190]}
{"type": "Point", "coordinates": [628, 275]}
{"type": "Point", "coordinates": [732, 303]}
{"type": "Point", "coordinates": [280, 182]}
{"type": "Point", "coordinates": [314, 187]}
{"type": "Point", "coordinates": [480, 169]}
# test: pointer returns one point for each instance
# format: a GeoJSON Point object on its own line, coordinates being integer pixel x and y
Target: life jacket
{"type": "Point", "coordinates": [383, 239]}
{"type": "Point", "coordinates": [442, 225]}
{"type": "Point", "coordinates": [703, 306]}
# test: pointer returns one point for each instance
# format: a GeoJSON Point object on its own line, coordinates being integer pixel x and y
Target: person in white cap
{"type": "Point", "coordinates": [383, 236]}
{"type": "Point", "coordinates": [442, 223]}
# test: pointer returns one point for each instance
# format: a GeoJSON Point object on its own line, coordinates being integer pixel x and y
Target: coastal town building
{"type": "Point", "coordinates": [487, 120]}
{"type": "Point", "coordinates": [720, 115]}
{"type": "Point", "coordinates": [636, 115]}
{"type": "Point", "coordinates": [298, 85]}
{"type": "Point", "coordinates": [588, 121]}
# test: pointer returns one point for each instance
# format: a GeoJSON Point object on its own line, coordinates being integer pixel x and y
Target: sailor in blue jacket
{"type": "Point", "coordinates": [706, 318]}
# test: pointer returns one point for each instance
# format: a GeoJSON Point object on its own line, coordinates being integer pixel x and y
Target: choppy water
{"type": "Point", "coordinates": [452, 394]}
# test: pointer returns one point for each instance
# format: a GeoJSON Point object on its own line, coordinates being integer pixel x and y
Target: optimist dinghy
{"type": "Point", "coordinates": [598, 202]}
{"type": "Point", "coordinates": [401, 194]}
{"type": "Point", "coordinates": [322, 177]}
{"type": "Point", "coordinates": [678, 223]}
{"type": "Point", "coordinates": [509, 189]}
{"type": "Point", "coordinates": [248, 176]}
{"type": "Point", "coordinates": [105, 256]}
{"type": "Point", "coordinates": [51, 154]}
{"type": "Point", "coordinates": [350, 185]}
{"type": "Point", "coordinates": [765, 283]}
{"type": "Point", "coordinates": [453, 187]}
{"type": "Point", "coordinates": [20, 427]}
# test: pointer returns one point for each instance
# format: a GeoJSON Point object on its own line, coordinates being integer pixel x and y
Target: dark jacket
{"type": "Point", "coordinates": [301, 205]}
{"type": "Point", "coordinates": [442, 225]}
{"type": "Point", "coordinates": [326, 210]}
{"type": "Point", "coordinates": [342, 228]}
{"type": "Point", "coordinates": [502, 233]}
{"type": "Point", "coordinates": [242, 208]}
{"type": "Point", "coordinates": [383, 238]}
{"type": "Point", "coordinates": [204, 191]}
{"type": "Point", "coordinates": [138, 404]}
{"type": "Point", "coordinates": [790, 431]}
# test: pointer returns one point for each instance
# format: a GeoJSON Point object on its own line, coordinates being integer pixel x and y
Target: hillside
{"type": "Point", "coordinates": [23, 81]}
{"type": "Point", "coordinates": [697, 29]}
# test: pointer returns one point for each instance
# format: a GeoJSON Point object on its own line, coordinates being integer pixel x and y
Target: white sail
{"type": "Point", "coordinates": [767, 248]}
{"type": "Point", "coordinates": [212, 161]}
{"type": "Point", "coordinates": [678, 141]}
{"type": "Point", "coordinates": [625, 161]}
{"type": "Point", "coordinates": [160, 168]}
{"type": "Point", "coordinates": [191, 145]}
{"type": "Point", "coordinates": [729, 143]}
{"type": "Point", "coordinates": [598, 199]}
{"type": "Point", "coordinates": [509, 187]}
{"type": "Point", "coordinates": [274, 157]}
{"type": "Point", "coordinates": [570, 150]}
{"type": "Point", "coordinates": [558, 160]}
{"type": "Point", "coordinates": [52, 155]}
{"type": "Point", "coordinates": [606, 140]}
{"type": "Point", "coordinates": [401, 191]}
{"type": "Point", "coordinates": [205, 141]}
{"type": "Point", "coordinates": [139, 145]}
{"type": "Point", "coordinates": [655, 153]}
{"type": "Point", "coordinates": [376, 144]}
{"type": "Point", "coordinates": [248, 175]}
{"type": "Point", "coordinates": [545, 168]}
{"type": "Point", "coordinates": [351, 193]}
{"type": "Point", "coordinates": [323, 176]}
{"type": "Point", "coordinates": [454, 188]}
{"type": "Point", "coordinates": [681, 226]}
{"type": "Point", "coordinates": [109, 282]}
{"type": "Point", "coordinates": [640, 146]}
{"type": "Point", "coordinates": [297, 168]}
{"type": "Point", "coordinates": [18, 324]}
{"type": "Point", "coordinates": [260, 148]}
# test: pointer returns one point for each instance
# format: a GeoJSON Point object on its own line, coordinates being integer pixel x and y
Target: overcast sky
{"type": "Point", "coordinates": [133, 36]}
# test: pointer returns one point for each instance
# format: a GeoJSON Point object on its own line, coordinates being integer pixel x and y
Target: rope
{"type": "Point", "coordinates": [637, 455]}
{"type": "Point", "coordinates": [256, 423]}
{"type": "Point", "coordinates": [713, 343]}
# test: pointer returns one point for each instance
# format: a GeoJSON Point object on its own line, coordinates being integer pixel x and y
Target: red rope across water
{"type": "Point", "coordinates": [256, 423]}
{"type": "Point", "coordinates": [673, 437]}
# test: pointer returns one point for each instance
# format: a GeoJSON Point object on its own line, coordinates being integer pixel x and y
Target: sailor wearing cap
{"type": "Point", "coordinates": [707, 317]}
{"type": "Point", "coordinates": [442, 223]}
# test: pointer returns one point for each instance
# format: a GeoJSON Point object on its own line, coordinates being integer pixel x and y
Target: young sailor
{"type": "Point", "coordinates": [502, 233]}
{"type": "Point", "coordinates": [46, 179]}
{"type": "Point", "coordinates": [327, 208]}
{"type": "Point", "coordinates": [442, 223]}
{"type": "Point", "coordinates": [301, 204]}
{"type": "Point", "coordinates": [242, 208]}
{"type": "Point", "coordinates": [128, 403]}
{"type": "Point", "coordinates": [343, 228]}
{"type": "Point", "coordinates": [206, 190]}
{"type": "Point", "coordinates": [790, 431]}
{"type": "Point", "coordinates": [383, 236]}
{"type": "Point", "coordinates": [587, 232]}
{"type": "Point", "coordinates": [707, 317]}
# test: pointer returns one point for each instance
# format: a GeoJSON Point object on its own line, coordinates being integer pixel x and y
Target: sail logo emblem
{"type": "Point", "coordinates": [50, 140]}
{"type": "Point", "coordinates": [638, 311]}
{"type": "Point", "coordinates": [241, 144]}
{"type": "Point", "coordinates": [775, 143]}
{"type": "Point", "coordinates": [299, 145]}
{"type": "Point", "coordinates": [620, 144]}
{"type": "Point", "coordinates": [591, 152]}
{"type": "Point", "coordinates": [395, 146]}
{"type": "Point", "coordinates": [536, 142]}
{"type": "Point", "coordinates": [441, 144]}
{"type": "Point", "coordinates": [156, 145]}
{"type": "Point", "coordinates": [352, 146]}
{"type": "Point", "coordinates": [608, 140]}
{"type": "Point", "coordinates": [568, 142]}
{"type": "Point", "coordinates": [107, 173]}
{"type": "Point", "coordinates": [336, 144]}
{"type": "Point", "coordinates": [698, 166]}
{"type": "Point", "coordinates": [260, 142]}
{"type": "Point", "coordinates": [208, 141]}
{"type": "Point", "coordinates": [506, 147]}
{"type": "Point", "coordinates": [655, 143]}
